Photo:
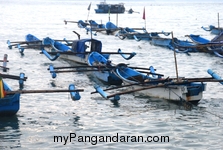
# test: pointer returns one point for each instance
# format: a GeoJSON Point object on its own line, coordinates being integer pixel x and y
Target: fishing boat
{"type": "Point", "coordinates": [90, 26]}
{"type": "Point", "coordinates": [190, 91]}
{"type": "Point", "coordinates": [109, 28]}
{"type": "Point", "coordinates": [103, 69]}
{"type": "Point", "coordinates": [198, 39]}
{"type": "Point", "coordinates": [180, 46]}
{"type": "Point", "coordinates": [132, 33]}
{"type": "Point", "coordinates": [95, 25]}
{"type": "Point", "coordinates": [213, 29]}
{"type": "Point", "coordinates": [163, 42]}
{"type": "Point", "coordinates": [30, 40]}
{"type": "Point", "coordinates": [80, 23]}
{"type": "Point", "coordinates": [130, 11]}
{"type": "Point", "coordinates": [213, 46]}
{"type": "Point", "coordinates": [84, 24]}
{"type": "Point", "coordinates": [104, 7]}
{"type": "Point", "coordinates": [156, 86]}
{"type": "Point", "coordinates": [79, 51]}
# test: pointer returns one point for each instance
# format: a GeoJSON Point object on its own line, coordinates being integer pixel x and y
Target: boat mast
{"type": "Point", "coordinates": [89, 8]}
{"type": "Point", "coordinates": [117, 19]}
{"type": "Point", "coordinates": [144, 16]}
{"type": "Point", "coordinates": [109, 13]}
{"type": "Point", "coordinates": [218, 21]}
{"type": "Point", "coordinates": [175, 58]}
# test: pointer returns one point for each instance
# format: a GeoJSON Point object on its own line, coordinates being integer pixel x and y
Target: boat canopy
{"type": "Point", "coordinates": [79, 46]}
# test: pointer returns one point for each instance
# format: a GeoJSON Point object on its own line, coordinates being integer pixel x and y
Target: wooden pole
{"type": "Point", "coordinates": [42, 91]}
{"type": "Point", "coordinates": [73, 53]}
{"type": "Point", "coordinates": [175, 59]}
{"type": "Point", "coordinates": [12, 77]}
{"type": "Point", "coordinates": [109, 14]}
{"type": "Point", "coordinates": [5, 63]}
{"type": "Point", "coordinates": [144, 16]}
{"type": "Point", "coordinates": [89, 8]}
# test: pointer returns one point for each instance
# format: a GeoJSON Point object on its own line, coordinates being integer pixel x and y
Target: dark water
{"type": "Point", "coordinates": [43, 116]}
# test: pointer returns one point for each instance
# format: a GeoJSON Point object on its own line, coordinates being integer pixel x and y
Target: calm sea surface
{"type": "Point", "coordinates": [43, 116]}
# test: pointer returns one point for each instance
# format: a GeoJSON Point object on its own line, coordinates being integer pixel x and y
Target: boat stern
{"type": "Point", "coordinates": [194, 91]}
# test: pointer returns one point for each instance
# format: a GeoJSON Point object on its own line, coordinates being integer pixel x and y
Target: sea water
{"type": "Point", "coordinates": [55, 121]}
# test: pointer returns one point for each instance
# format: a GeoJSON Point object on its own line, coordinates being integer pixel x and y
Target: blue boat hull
{"type": "Point", "coordinates": [10, 105]}
{"type": "Point", "coordinates": [192, 92]}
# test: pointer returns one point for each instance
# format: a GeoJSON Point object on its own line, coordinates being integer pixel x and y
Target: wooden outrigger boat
{"type": "Point", "coordinates": [132, 33]}
{"type": "Point", "coordinates": [155, 85]}
{"type": "Point", "coordinates": [92, 26]}
{"type": "Point", "coordinates": [198, 39]}
{"type": "Point", "coordinates": [213, 46]}
{"type": "Point", "coordinates": [80, 50]}
{"type": "Point", "coordinates": [180, 46]}
{"type": "Point", "coordinates": [74, 50]}
{"type": "Point", "coordinates": [189, 91]}
{"type": "Point", "coordinates": [109, 28]}
{"type": "Point", "coordinates": [95, 27]}
{"type": "Point", "coordinates": [32, 42]}
{"type": "Point", "coordinates": [174, 89]}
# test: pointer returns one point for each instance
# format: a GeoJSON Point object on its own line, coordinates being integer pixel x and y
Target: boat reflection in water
{"type": "Point", "coordinates": [9, 132]}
